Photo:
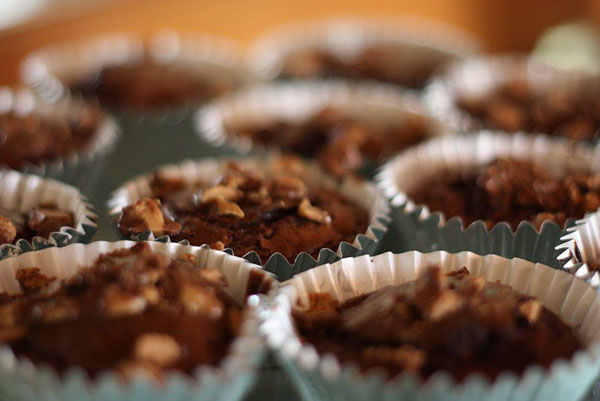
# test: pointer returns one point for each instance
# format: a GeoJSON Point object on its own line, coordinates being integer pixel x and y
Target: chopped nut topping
{"type": "Point", "coordinates": [213, 276]}
{"type": "Point", "coordinates": [221, 192]}
{"type": "Point", "coordinates": [151, 294]}
{"type": "Point", "coordinates": [219, 246]}
{"type": "Point", "coordinates": [157, 349]}
{"type": "Point", "coordinates": [446, 303]}
{"type": "Point", "coordinates": [122, 303]}
{"type": "Point", "coordinates": [226, 208]}
{"type": "Point", "coordinates": [32, 280]}
{"type": "Point", "coordinates": [287, 186]}
{"type": "Point", "coordinates": [530, 310]}
{"type": "Point", "coordinates": [202, 300]}
{"type": "Point", "coordinates": [189, 257]}
{"type": "Point", "coordinates": [147, 210]}
{"type": "Point", "coordinates": [8, 231]}
{"type": "Point", "coordinates": [308, 211]}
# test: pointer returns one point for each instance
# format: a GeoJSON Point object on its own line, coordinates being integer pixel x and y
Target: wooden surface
{"type": "Point", "coordinates": [500, 24]}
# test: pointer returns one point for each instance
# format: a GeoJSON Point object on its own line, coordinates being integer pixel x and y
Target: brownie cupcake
{"type": "Point", "coordinates": [36, 213]}
{"type": "Point", "coordinates": [516, 93]}
{"type": "Point", "coordinates": [405, 52]}
{"type": "Point", "coordinates": [457, 326]}
{"type": "Point", "coordinates": [62, 139]}
{"type": "Point", "coordinates": [271, 210]}
{"type": "Point", "coordinates": [348, 128]}
{"type": "Point", "coordinates": [495, 178]}
{"type": "Point", "coordinates": [580, 249]}
{"type": "Point", "coordinates": [166, 73]}
{"type": "Point", "coordinates": [173, 315]}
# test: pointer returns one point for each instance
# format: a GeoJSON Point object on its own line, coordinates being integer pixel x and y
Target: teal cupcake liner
{"type": "Point", "coordinates": [419, 228]}
{"type": "Point", "coordinates": [356, 190]}
{"type": "Point", "coordinates": [345, 36]}
{"type": "Point", "coordinates": [20, 379]}
{"type": "Point", "coordinates": [580, 249]}
{"type": "Point", "coordinates": [20, 192]}
{"type": "Point", "coordinates": [322, 377]}
{"type": "Point", "coordinates": [377, 104]}
{"type": "Point", "coordinates": [478, 76]}
{"type": "Point", "coordinates": [79, 168]}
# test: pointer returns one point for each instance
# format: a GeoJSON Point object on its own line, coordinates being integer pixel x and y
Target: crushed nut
{"type": "Point", "coordinates": [530, 310]}
{"type": "Point", "coordinates": [189, 257]}
{"type": "Point", "coordinates": [219, 246]}
{"type": "Point", "coordinates": [8, 231]}
{"type": "Point", "coordinates": [446, 303]}
{"type": "Point", "coordinates": [151, 294]}
{"type": "Point", "coordinates": [287, 186]}
{"type": "Point", "coordinates": [32, 280]}
{"type": "Point", "coordinates": [226, 208]}
{"type": "Point", "coordinates": [308, 211]}
{"type": "Point", "coordinates": [221, 192]}
{"type": "Point", "coordinates": [213, 276]}
{"type": "Point", "coordinates": [197, 299]}
{"type": "Point", "coordinates": [156, 349]}
{"type": "Point", "coordinates": [147, 211]}
{"type": "Point", "coordinates": [120, 303]}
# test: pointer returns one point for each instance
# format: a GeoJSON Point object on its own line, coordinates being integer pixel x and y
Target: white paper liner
{"type": "Point", "coordinates": [229, 380]}
{"type": "Point", "coordinates": [573, 300]}
{"type": "Point", "coordinates": [581, 247]}
{"type": "Point", "coordinates": [23, 101]}
{"type": "Point", "coordinates": [347, 36]}
{"type": "Point", "coordinates": [20, 192]}
{"type": "Point", "coordinates": [407, 170]}
{"type": "Point", "coordinates": [210, 171]}
{"type": "Point", "coordinates": [374, 103]}
{"type": "Point", "coordinates": [50, 70]}
{"type": "Point", "coordinates": [479, 76]}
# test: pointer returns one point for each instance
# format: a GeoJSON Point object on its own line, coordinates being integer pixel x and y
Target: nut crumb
{"type": "Point", "coordinates": [530, 310]}
{"type": "Point", "coordinates": [8, 231]}
{"type": "Point", "coordinates": [308, 211]}
{"type": "Point", "coordinates": [156, 349]}
{"type": "Point", "coordinates": [221, 192]}
{"type": "Point", "coordinates": [226, 208]}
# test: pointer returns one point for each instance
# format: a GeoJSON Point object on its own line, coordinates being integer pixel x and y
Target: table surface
{"type": "Point", "coordinates": [500, 25]}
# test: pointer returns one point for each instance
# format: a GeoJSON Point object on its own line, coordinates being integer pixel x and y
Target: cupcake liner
{"type": "Point", "coordinates": [322, 376]}
{"type": "Point", "coordinates": [78, 168]}
{"type": "Point", "coordinates": [209, 170]}
{"type": "Point", "coordinates": [22, 380]}
{"type": "Point", "coordinates": [20, 192]}
{"type": "Point", "coordinates": [348, 35]}
{"type": "Point", "coordinates": [375, 103]}
{"type": "Point", "coordinates": [478, 76]}
{"type": "Point", "coordinates": [408, 169]}
{"type": "Point", "coordinates": [580, 247]}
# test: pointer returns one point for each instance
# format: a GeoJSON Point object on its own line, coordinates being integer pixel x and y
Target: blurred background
{"type": "Point", "coordinates": [501, 25]}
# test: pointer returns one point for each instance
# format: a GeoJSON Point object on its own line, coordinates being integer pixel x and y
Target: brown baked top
{"type": "Point", "coordinates": [512, 191]}
{"type": "Point", "coordinates": [380, 62]}
{"type": "Point", "coordinates": [277, 209]}
{"type": "Point", "coordinates": [572, 112]}
{"type": "Point", "coordinates": [341, 143]}
{"type": "Point", "coordinates": [456, 323]}
{"type": "Point", "coordinates": [147, 84]}
{"type": "Point", "coordinates": [41, 220]}
{"type": "Point", "coordinates": [133, 310]}
{"type": "Point", "coordinates": [34, 138]}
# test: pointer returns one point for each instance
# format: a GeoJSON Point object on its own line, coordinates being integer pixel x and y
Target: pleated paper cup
{"type": "Point", "coordinates": [479, 76]}
{"type": "Point", "coordinates": [324, 377]}
{"type": "Point", "coordinates": [420, 41]}
{"type": "Point", "coordinates": [580, 249]}
{"type": "Point", "coordinates": [210, 171]}
{"type": "Point", "coordinates": [80, 168]}
{"type": "Point", "coordinates": [377, 105]}
{"type": "Point", "coordinates": [20, 379]}
{"type": "Point", "coordinates": [20, 192]}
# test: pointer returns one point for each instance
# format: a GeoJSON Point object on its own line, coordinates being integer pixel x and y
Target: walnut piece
{"type": "Point", "coordinates": [200, 300]}
{"type": "Point", "coordinates": [32, 280]}
{"type": "Point", "coordinates": [287, 186]}
{"type": "Point", "coordinates": [226, 208]}
{"type": "Point", "coordinates": [156, 349]}
{"type": "Point", "coordinates": [444, 304]}
{"type": "Point", "coordinates": [119, 303]}
{"type": "Point", "coordinates": [221, 192]}
{"type": "Point", "coordinates": [8, 231]}
{"type": "Point", "coordinates": [308, 211]}
{"type": "Point", "coordinates": [147, 210]}
{"type": "Point", "coordinates": [530, 310]}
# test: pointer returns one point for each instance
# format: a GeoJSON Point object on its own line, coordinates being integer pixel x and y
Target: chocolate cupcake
{"type": "Point", "coordinates": [438, 325]}
{"type": "Point", "coordinates": [404, 52]}
{"type": "Point", "coordinates": [348, 128]}
{"type": "Point", "coordinates": [168, 72]}
{"type": "Point", "coordinates": [495, 178]}
{"type": "Point", "coordinates": [36, 213]}
{"type": "Point", "coordinates": [62, 139]}
{"type": "Point", "coordinates": [279, 206]}
{"type": "Point", "coordinates": [121, 311]}
{"type": "Point", "coordinates": [516, 93]}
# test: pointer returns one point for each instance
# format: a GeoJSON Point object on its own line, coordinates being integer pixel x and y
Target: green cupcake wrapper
{"type": "Point", "coordinates": [321, 377]}
{"type": "Point", "coordinates": [364, 243]}
{"type": "Point", "coordinates": [21, 380]}
{"type": "Point", "coordinates": [20, 191]}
